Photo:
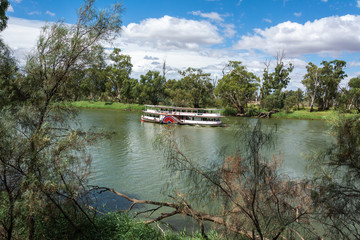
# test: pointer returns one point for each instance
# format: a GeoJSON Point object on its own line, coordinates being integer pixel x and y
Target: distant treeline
{"type": "Point", "coordinates": [107, 78]}
{"type": "Point", "coordinates": [236, 89]}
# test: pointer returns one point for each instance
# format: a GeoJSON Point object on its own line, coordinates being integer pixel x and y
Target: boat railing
{"type": "Point", "coordinates": [194, 114]}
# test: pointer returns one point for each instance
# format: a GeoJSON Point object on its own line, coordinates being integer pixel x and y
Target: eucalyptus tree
{"type": "Point", "coordinates": [322, 83]}
{"type": "Point", "coordinates": [197, 87]}
{"type": "Point", "coordinates": [91, 82]}
{"type": "Point", "coordinates": [237, 87]}
{"type": "Point", "coordinates": [274, 82]}
{"type": "Point", "coordinates": [43, 164]}
{"type": "Point", "coordinates": [294, 98]}
{"type": "Point", "coordinates": [152, 88]}
{"type": "Point", "coordinates": [354, 92]}
{"type": "Point", "coordinates": [311, 82]}
{"type": "Point", "coordinates": [331, 75]}
{"type": "Point", "coordinates": [118, 73]}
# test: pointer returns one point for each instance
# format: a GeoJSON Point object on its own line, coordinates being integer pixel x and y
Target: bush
{"type": "Point", "coordinates": [229, 111]}
{"type": "Point", "coordinates": [252, 111]}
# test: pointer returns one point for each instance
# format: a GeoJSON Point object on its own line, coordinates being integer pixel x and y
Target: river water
{"type": "Point", "coordinates": [128, 161]}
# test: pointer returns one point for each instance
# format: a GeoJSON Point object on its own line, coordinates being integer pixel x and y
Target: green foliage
{"type": "Point", "coordinates": [91, 82]}
{"type": "Point", "coordinates": [322, 83]}
{"type": "Point", "coordinates": [277, 80]}
{"type": "Point", "coordinates": [152, 88]}
{"type": "Point", "coordinates": [4, 4]}
{"type": "Point", "coordinates": [104, 105]}
{"type": "Point", "coordinates": [43, 161]}
{"type": "Point", "coordinates": [119, 84]}
{"type": "Point", "coordinates": [10, 91]}
{"type": "Point", "coordinates": [229, 111]}
{"type": "Point", "coordinates": [337, 168]}
{"type": "Point", "coordinates": [273, 83]}
{"type": "Point", "coordinates": [273, 101]}
{"type": "Point", "coordinates": [252, 111]}
{"type": "Point", "coordinates": [237, 87]}
{"type": "Point", "coordinates": [109, 226]}
{"type": "Point", "coordinates": [354, 92]}
{"type": "Point", "coordinates": [195, 89]}
{"type": "Point", "coordinates": [305, 114]}
{"type": "Point", "coordinates": [293, 99]}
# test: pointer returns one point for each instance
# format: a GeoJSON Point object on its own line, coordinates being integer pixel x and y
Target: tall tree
{"type": "Point", "coordinates": [43, 165]}
{"type": "Point", "coordinates": [322, 83]}
{"type": "Point", "coordinates": [198, 87]}
{"type": "Point", "coordinates": [10, 92]}
{"type": "Point", "coordinates": [331, 75]}
{"type": "Point", "coordinates": [273, 83]}
{"type": "Point", "coordinates": [237, 87]}
{"type": "Point", "coordinates": [152, 87]}
{"type": "Point", "coordinates": [92, 81]}
{"type": "Point", "coordinates": [118, 73]}
{"type": "Point", "coordinates": [312, 83]}
{"type": "Point", "coordinates": [354, 92]}
{"type": "Point", "coordinates": [4, 4]}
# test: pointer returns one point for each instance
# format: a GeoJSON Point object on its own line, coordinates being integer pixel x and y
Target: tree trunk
{"type": "Point", "coordinates": [31, 228]}
{"type": "Point", "coordinates": [312, 101]}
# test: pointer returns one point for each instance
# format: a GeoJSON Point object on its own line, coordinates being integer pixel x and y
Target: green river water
{"type": "Point", "coordinates": [129, 163]}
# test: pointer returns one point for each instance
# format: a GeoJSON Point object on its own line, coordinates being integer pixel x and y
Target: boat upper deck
{"type": "Point", "coordinates": [183, 111]}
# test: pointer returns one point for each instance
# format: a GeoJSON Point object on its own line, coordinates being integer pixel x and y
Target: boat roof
{"type": "Point", "coordinates": [183, 108]}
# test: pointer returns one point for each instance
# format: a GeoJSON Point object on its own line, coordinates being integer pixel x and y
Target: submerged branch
{"type": "Point", "coordinates": [182, 208]}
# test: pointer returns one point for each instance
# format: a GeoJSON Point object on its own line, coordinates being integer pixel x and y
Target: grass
{"type": "Point", "coordinates": [110, 226]}
{"type": "Point", "coordinates": [306, 115]}
{"type": "Point", "coordinates": [106, 105]}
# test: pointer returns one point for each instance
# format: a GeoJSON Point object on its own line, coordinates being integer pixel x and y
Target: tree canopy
{"type": "Point", "coordinates": [43, 162]}
{"type": "Point", "coordinates": [4, 4]}
{"type": "Point", "coordinates": [237, 87]}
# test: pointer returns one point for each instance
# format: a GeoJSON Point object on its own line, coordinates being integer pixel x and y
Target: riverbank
{"type": "Point", "coordinates": [305, 114]}
{"type": "Point", "coordinates": [106, 105]}
{"type": "Point", "coordinates": [302, 114]}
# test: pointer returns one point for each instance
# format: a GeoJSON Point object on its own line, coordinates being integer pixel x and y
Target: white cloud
{"type": "Point", "coordinates": [267, 20]}
{"type": "Point", "coordinates": [358, 4]}
{"type": "Point", "coordinates": [354, 64]}
{"type": "Point", "coordinates": [34, 13]}
{"type": "Point", "coordinates": [214, 16]}
{"type": "Point", "coordinates": [10, 9]}
{"type": "Point", "coordinates": [50, 13]}
{"type": "Point", "coordinates": [324, 1]}
{"type": "Point", "coordinates": [297, 14]}
{"type": "Point", "coordinates": [331, 35]}
{"type": "Point", "coordinates": [173, 33]}
{"type": "Point", "coordinates": [17, 1]}
{"type": "Point", "coordinates": [228, 30]}
{"type": "Point", "coordinates": [21, 35]}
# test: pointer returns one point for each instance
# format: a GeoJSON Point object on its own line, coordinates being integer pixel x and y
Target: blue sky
{"type": "Point", "coordinates": [208, 33]}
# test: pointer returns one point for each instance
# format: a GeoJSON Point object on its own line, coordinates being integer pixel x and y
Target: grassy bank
{"type": "Point", "coordinates": [110, 226]}
{"type": "Point", "coordinates": [306, 115]}
{"type": "Point", "coordinates": [106, 105]}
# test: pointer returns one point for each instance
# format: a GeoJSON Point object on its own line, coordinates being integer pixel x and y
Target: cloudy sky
{"type": "Point", "coordinates": [207, 34]}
